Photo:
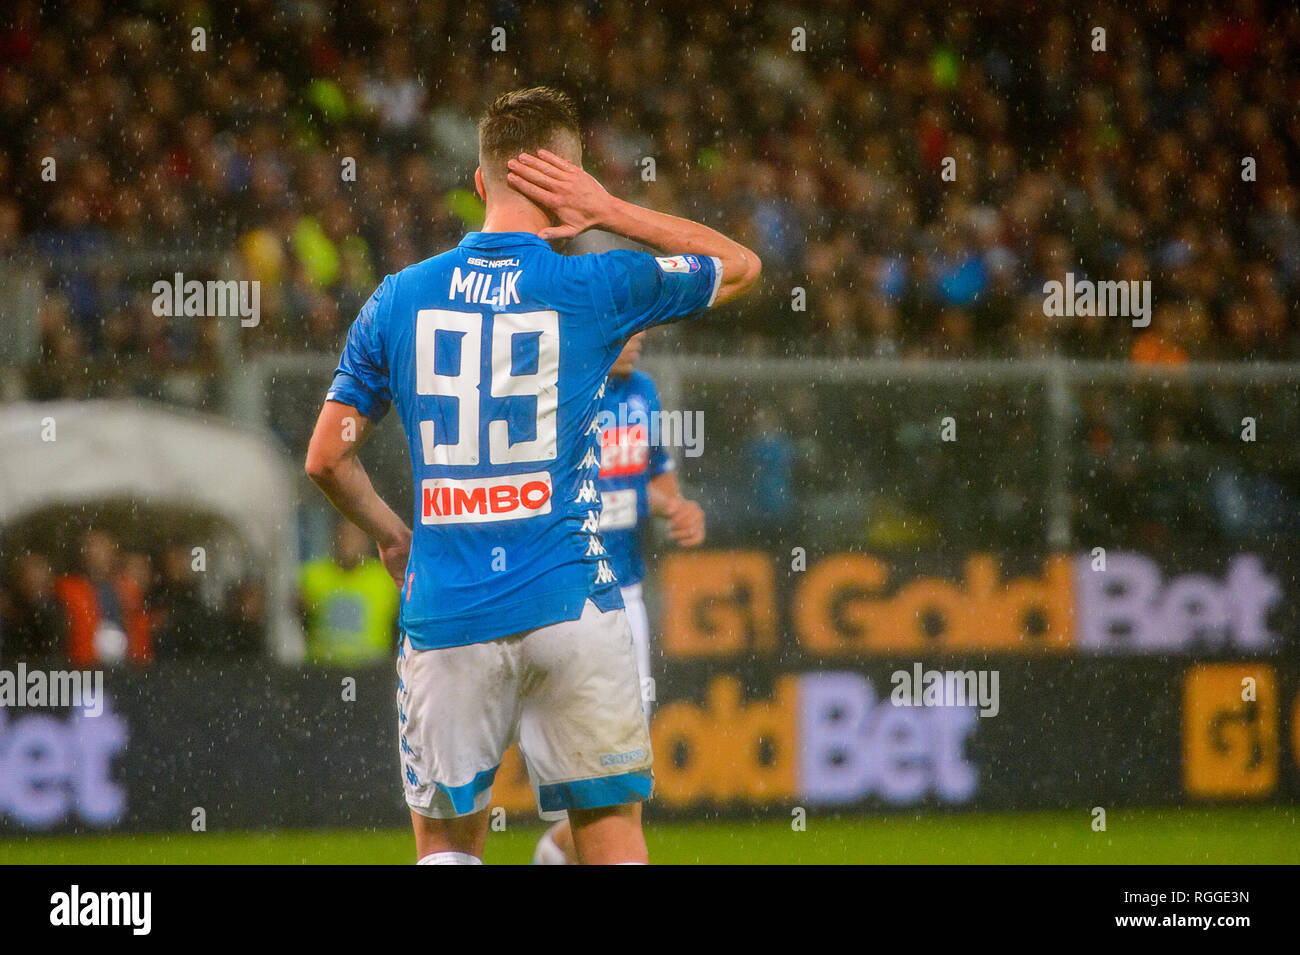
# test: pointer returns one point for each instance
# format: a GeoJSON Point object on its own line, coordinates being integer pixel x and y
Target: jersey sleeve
{"type": "Point", "coordinates": [635, 290]}
{"type": "Point", "coordinates": [362, 379]}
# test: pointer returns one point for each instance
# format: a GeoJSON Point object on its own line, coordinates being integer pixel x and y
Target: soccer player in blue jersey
{"type": "Point", "coordinates": [638, 479]}
{"type": "Point", "coordinates": [496, 353]}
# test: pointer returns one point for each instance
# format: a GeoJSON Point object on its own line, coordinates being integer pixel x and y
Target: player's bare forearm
{"type": "Point", "coordinates": [579, 202]}
{"type": "Point", "coordinates": [348, 487]}
{"type": "Point", "coordinates": [334, 467]}
{"type": "Point", "coordinates": [667, 233]}
{"type": "Point", "coordinates": [685, 518]}
{"type": "Point", "coordinates": [663, 489]}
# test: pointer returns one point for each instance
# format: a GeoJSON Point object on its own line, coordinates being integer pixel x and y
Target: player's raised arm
{"type": "Point", "coordinates": [574, 197]}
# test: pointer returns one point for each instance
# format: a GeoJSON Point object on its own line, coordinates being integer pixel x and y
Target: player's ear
{"type": "Point", "coordinates": [478, 183]}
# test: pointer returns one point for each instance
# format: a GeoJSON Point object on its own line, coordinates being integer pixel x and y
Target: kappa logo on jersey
{"type": "Point", "coordinates": [624, 450]}
{"type": "Point", "coordinates": [479, 500]}
{"type": "Point", "coordinates": [678, 263]}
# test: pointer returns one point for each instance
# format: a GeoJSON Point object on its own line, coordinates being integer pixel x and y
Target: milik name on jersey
{"type": "Point", "coordinates": [478, 288]}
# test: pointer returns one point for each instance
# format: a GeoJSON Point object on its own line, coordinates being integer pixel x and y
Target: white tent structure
{"type": "Point", "coordinates": [69, 452]}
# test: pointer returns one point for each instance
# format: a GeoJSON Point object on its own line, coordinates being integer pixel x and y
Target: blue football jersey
{"type": "Point", "coordinates": [496, 354]}
{"type": "Point", "coordinates": [631, 454]}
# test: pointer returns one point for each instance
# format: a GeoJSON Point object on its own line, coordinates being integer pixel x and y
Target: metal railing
{"type": "Point", "coordinates": [1043, 454]}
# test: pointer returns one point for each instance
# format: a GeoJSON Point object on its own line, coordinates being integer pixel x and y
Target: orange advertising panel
{"type": "Point", "coordinates": [718, 604]}
{"type": "Point", "coordinates": [1230, 732]}
{"type": "Point", "coordinates": [843, 607]}
{"type": "Point", "coordinates": [727, 750]}
{"type": "Point", "coordinates": [511, 789]}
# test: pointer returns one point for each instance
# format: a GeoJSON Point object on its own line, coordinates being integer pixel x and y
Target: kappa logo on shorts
{"type": "Point", "coordinates": [621, 759]}
{"type": "Point", "coordinates": [478, 500]}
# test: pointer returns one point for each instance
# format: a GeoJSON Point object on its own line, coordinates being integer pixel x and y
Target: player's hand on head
{"type": "Point", "coordinates": [686, 522]}
{"type": "Point", "coordinates": [567, 191]}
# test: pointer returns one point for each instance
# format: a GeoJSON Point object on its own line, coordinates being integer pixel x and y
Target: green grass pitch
{"type": "Point", "coordinates": [1222, 836]}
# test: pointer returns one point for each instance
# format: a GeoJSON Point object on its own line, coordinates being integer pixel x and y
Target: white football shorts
{"type": "Point", "coordinates": [639, 623]}
{"type": "Point", "coordinates": [567, 692]}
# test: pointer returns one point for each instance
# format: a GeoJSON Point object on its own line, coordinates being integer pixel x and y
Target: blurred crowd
{"type": "Point", "coordinates": [111, 605]}
{"type": "Point", "coordinates": [912, 174]}
{"type": "Point", "coordinates": [1167, 468]}
{"type": "Point", "coordinates": [316, 146]}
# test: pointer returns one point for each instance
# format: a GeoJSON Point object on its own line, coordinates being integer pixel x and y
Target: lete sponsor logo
{"type": "Point", "coordinates": [726, 603]}
{"type": "Point", "coordinates": [52, 769]}
{"type": "Point", "coordinates": [827, 739]}
{"type": "Point", "coordinates": [624, 451]}
{"type": "Point", "coordinates": [479, 500]}
{"type": "Point", "coordinates": [1131, 608]}
{"type": "Point", "coordinates": [856, 744]}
